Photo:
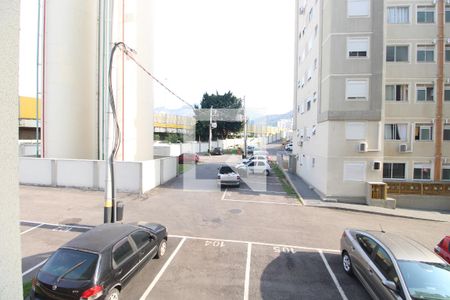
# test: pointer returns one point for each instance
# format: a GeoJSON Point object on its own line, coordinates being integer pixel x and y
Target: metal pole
{"type": "Point", "coordinates": [37, 76]}
{"type": "Point", "coordinates": [245, 130]}
{"type": "Point", "coordinates": [210, 129]}
{"type": "Point", "coordinates": [439, 91]}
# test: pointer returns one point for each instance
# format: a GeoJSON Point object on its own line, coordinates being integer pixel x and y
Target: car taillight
{"type": "Point", "coordinates": [92, 293]}
{"type": "Point", "coordinates": [218, 176]}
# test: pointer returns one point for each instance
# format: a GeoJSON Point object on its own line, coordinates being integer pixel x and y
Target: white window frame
{"type": "Point", "coordinates": [401, 6]}
{"type": "Point", "coordinates": [363, 38]}
{"type": "Point", "coordinates": [396, 179]}
{"type": "Point", "coordinates": [358, 16]}
{"type": "Point", "coordinates": [348, 80]}
{"type": "Point", "coordinates": [396, 84]}
{"type": "Point", "coordinates": [424, 126]}
{"type": "Point", "coordinates": [394, 139]}
{"type": "Point", "coordinates": [443, 131]}
{"type": "Point", "coordinates": [424, 86]}
{"type": "Point", "coordinates": [446, 88]}
{"type": "Point", "coordinates": [422, 163]}
{"type": "Point", "coordinates": [397, 61]}
{"type": "Point", "coordinates": [445, 167]}
{"type": "Point", "coordinates": [425, 48]}
{"type": "Point", "coordinates": [434, 11]}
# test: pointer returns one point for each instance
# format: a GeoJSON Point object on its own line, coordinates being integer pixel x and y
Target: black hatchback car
{"type": "Point", "coordinates": [98, 263]}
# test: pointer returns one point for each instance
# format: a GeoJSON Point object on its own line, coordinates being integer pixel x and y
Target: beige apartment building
{"type": "Point", "coordinates": [372, 95]}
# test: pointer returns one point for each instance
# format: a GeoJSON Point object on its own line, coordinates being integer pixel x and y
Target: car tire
{"type": "Point", "coordinates": [113, 294]}
{"type": "Point", "coordinates": [347, 263]}
{"type": "Point", "coordinates": [266, 172]}
{"type": "Point", "coordinates": [161, 249]}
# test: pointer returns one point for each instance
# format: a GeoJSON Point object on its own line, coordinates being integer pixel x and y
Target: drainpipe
{"type": "Point", "coordinates": [439, 91]}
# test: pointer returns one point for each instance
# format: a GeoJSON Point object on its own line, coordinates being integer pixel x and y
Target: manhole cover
{"type": "Point", "coordinates": [235, 211]}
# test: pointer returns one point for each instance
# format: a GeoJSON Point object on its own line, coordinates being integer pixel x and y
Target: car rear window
{"type": "Point", "coordinates": [65, 259]}
{"type": "Point", "coordinates": [226, 170]}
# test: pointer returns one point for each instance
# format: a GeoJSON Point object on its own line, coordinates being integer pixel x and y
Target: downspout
{"type": "Point", "coordinates": [37, 75]}
{"type": "Point", "coordinates": [123, 82]}
{"type": "Point", "coordinates": [439, 92]}
{"type": "Point", "coordinates": [44, 26]}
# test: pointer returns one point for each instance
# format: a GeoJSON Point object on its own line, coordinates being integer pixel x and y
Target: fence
{"type": "Point", "coordinates": [419, 188]}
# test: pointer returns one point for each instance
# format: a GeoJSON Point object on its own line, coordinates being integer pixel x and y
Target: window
{"type": "Point", "coordinates": [122, 251]}
{"type": "Point", "coordinates": [65, 259]}
{"type": "Point", "coordinates": [355, 171]}
{"type": "Point", "coordinates": [355, 130]}
{"type": "Point", "coordinates": [446, 132]}
{"type": "Point", "coordinates": [447, 93]}
{"type": "Point", "coordinates": [385, 265]}
{"type": "Point", "coordinates": [358, 8]}
{"type": "Point", "coordinates": [142, 238]}
{"type": "Point", "coordinates": [447, 14]}
{"type": "Point", "coordinates": [425, 53]}
{"type": "Point", "coordinates": [424, 132]}
{"type": "Point", "coordinates": [425, 14]}
{"type": "Point", "coordinates": [316, 29]}
{"type": "Point", "coordinates": [397, 53]}
{"type": "Point", "coordinates": [422, 171]}
{"type": "Point", "coordinates": [357, 89]}
{"type": "Point", "coordinates": [308, 105]}
{"type": "Point", "coordinates": [314, 96]}
{"type": "Point", "coordinates": [395, 132]}
{"type": "Point", "coordinates": [446, 172]}
{"type": "Point", "coordinates": [357, 47]}
{"type": "Point", "coordinates": [397, 92]}
{"type": "Point", "coordinates": [366, 243]}
{"type": "Point", "coordinates": [447, 53]}
{"type": "Point", "coordinates": [394, 170]}
{"type": "Point", "coordinates": [398, 15]}
{"type": "Point", "coordinates": [310, 15]}
{"type": "Point", "coordinates": [315, 63]}
{"type": "Point", "coordinates": [425, 93]}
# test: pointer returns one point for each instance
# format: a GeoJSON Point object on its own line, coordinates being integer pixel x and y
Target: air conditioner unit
{"type": "Point", "coordinates": [376, 165]}
{"type": "Point", "coordinates": [362, 147]}
{"type": "Point", "coordinates": [403, 148]}
{"type": "Point", "coordinates": [300, 143]}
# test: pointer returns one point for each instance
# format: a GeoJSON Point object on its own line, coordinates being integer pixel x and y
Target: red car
{"type": "Point", "coordinates": [188, 158]}
{"type": "Point", "coordinates": [443, 248]}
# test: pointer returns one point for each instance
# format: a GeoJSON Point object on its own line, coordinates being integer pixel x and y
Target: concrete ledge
{"type": "Point", "coordinates": [388, 203]}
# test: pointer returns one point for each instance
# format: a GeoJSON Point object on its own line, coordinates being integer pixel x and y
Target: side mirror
{"type": "Point", "coordinates": [390, 285]}
{"type": "Point", "coordinates": [152, 237]}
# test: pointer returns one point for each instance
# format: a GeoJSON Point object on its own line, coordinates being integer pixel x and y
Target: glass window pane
{"type": "Point", "coordinates": [390, 53]}
{"type": "Point", "coordinates": [426, 173]}
{"type": "Point", "coordinates": [122, 252]}
{"type": "Point", "coordinates": [417, 173]}
{"type": "Point", "coordinates": [447, 133]}
{"type": "Point", "coordinates": [447, 53]}
{"type": "Point", "coordinates": [64, 259]}
{"type": "Point", "coordinates": [420, 55]}
{"type": "Point", "coordinates": [387, 170]}
{"type": "Point", "coordinates": [367, 244]}
{"type": "Point", "coordinates": [398, 171]}
{"type": "Point", "coordinates": [421, 94]}
{"type": "Point", "coordinates": [385, 265]}
{"type": "Point", "coordinates": [447, 94]}
{"type": "Point", "coordinates": [447, 15]}
{"type": "Point", "coordinates": [401, 53]}
{"type": "Point", "coordinates": [446, 174]}
{"type": "Point", "coordinates": [141, 238]}
{"type": "Point", "coordinates": [390, 92]}
{"type": "Point", "coordinates": [420, 17]}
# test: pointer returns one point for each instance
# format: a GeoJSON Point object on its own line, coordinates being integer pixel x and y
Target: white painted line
{"type": "Point", "coordinates": [34, 268]}
{"type": "Point", "coordinates": [336, 282]}
{"type": "Point", "coordinates": [263, 191]}
{"type": "Point", "coordinates": [224, 193]}
{"type": "Point", "coordinates": [32, 228]}
{"type": "Point", "coordinates": [263, 202]}
{"type": "Point", "coordinates": [254, 243]}
{"type": "Point", "coordinates": [247, 271]}
{"type": "Point", "coordinates": [57, 225]}
{"type": "Point", "coordinates": [161, 272]}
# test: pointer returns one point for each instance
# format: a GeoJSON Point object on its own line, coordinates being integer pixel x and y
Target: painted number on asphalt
{"type": "Point", "coordinates": [62, 228]}
{"type": "Point", "coordinates": [283, 250]}
{"type": "Point", "coordinates": [219, 244]}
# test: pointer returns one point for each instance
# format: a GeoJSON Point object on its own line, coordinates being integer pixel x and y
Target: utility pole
{"type": "Point", "coordinates": [245, 130]}
{"type": "Point", "coordinates": [210, 129]}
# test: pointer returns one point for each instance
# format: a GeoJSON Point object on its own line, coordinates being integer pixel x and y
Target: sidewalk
{"type": "Point", "coordinates": [311, 198]}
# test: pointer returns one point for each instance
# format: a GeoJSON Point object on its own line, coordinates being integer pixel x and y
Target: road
{"type": "Point", "coordinates": [254, 242]}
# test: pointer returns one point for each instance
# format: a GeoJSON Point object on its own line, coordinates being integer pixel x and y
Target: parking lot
{"type": "Point", "coordinates": [202, 268]}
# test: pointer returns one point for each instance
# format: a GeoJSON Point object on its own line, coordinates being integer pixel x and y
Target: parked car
{"type": "Point", "coordinates": [390, 266]}
{"type": "Point", "coordinates": [258, 157]}
{"type": "Point", "coordinates": [99, 263]}
{"type": "Point", "coordinates": [188, 158]}
{"type": "Point", "coordinates": [217, 151]}
{"type": "Point", "coordinates": [443, 248]}
{"type": "Point", "coordinates": [288, 147]}
{"type": "Point", "coordinates": [256, 166]}
{"type": "Point", "coordinates": [250, 150]}
{"type": "Point", "coordinates": [228, 176]}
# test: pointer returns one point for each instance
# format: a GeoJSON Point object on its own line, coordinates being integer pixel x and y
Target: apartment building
{"type": "Point", "coordinates": [372, 95]}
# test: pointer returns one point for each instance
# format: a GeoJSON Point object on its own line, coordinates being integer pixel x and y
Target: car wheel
{"type": "Point", "coordinates": [347, 263]}
{"type": "Point", "coordinates": [266, 172]}
{"type": "Point", "coordinates": [161, 249]}
{"type": "Point", "coordinates": [113, 294]}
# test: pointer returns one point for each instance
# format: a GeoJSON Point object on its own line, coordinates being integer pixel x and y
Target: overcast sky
{"type": "Point", "coordinates": [242, 46]}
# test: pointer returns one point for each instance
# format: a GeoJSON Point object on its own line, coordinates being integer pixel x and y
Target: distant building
{"type": "Point", "coordinates": [372, 96]}
{"type": "Point", "coordinates": [285, 124]}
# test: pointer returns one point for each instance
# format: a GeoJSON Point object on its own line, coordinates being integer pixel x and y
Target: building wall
{"type": "Point", "coordinates": [10, 264]}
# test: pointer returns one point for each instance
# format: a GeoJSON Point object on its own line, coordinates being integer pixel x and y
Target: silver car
{"type": "Point", "coordinates": [394, 267]}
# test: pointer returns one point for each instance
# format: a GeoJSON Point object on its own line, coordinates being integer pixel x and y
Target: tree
{"type": "Point", "coordinates": [226, 106]}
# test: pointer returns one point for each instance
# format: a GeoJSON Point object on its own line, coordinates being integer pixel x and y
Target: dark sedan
{"type": "Point", "coordinates": [99, 263]}
{"type": "Point", "coordinates": [217, 151]}
{"type": "Point", "coordinates": [188, 158]}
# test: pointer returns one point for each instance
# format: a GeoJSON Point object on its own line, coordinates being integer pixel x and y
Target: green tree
{"type": "Point", "coordinates": [224, 128]}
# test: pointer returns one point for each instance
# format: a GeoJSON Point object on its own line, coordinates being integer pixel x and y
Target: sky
{"type": "Point", "coordinates": [242, 46]}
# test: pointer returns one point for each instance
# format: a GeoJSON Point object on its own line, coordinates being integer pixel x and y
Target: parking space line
{"type": "Point", "coordinates": [161, 272]}
{"type": "Point", "coordinates": [247, 271]}
{"type": "Point", "coordinates": [263, 191]}
{"type": "Point", "coordinates": [254, 243]}
{"type": "Point", "coordinates": [224, 193]}
{"type": "Point", "coordinates": [34, 268]}
{"type": "Point", "coordinates": [336, 282]}
{"type": "Point", "coordinates": [32, 228]}
{"type": "Point", "coordinates": [57, 225]}
{"type": "Point", "coordinates": [263, 202]}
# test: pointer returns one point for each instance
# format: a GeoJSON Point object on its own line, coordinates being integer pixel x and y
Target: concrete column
{"type": "Point", "coordinates": [10, 262]}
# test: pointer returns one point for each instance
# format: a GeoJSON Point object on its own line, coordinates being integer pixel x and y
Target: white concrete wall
{"type": "Point", "coordinates": [10, 262]}
{"type": "Point", "coordinates": [132, 177]}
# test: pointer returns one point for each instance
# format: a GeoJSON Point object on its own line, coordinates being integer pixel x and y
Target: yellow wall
{"type": "Point", "coordinates": [27, 108]}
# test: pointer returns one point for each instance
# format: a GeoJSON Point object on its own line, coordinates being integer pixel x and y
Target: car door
{"type": "Point", "coordinates": [261, 167]}
{"type": "Point", "coordinates": [384, 270]}
{"type": "Point", "coordinates": [251, 167]}
{"type": "Point", "coordinates": [361, 258]}
{"type": "Point", "coordinates": [125, 258]}
{"type": "Point", "coordinates": [145, 244]}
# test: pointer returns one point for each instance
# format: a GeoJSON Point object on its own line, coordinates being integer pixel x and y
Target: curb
{"type": "Point", "coordinates": [292, 185]}
{"type": "Point", "coordinates": [378, 213]}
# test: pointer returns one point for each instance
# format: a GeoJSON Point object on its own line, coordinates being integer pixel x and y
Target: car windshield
{"type": "Point", "coordinates": [426, 280]}
{"type": "Point", "coordinates": [226, 170]}
{"type": "Point", "coordinates": [65, 259]}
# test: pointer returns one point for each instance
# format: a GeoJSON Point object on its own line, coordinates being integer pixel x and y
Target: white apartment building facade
{"type": "Point", "coordinates": [372, 94]}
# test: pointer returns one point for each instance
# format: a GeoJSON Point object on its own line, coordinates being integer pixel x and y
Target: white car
{"type": "Point", "coordinates": [261, 152]}
{"type": "Point", "coordinates": [256, 166]}
{"type": "Point", "coordinates": [227, 176]}
{"type": "Point", "coordinates": [258, 157]}
{"type": "Point", "coordinates": [288, 147]}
